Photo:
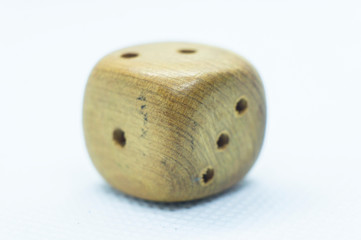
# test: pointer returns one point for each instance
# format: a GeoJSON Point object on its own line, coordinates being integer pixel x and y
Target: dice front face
{"type": "Point", "coordinates": [173, 121]}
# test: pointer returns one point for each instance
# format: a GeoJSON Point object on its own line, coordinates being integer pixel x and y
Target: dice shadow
{"type": "Point", "coordinates": [176, 205]}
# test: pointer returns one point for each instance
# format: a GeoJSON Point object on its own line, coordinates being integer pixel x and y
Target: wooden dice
{"type": "Point", "coordinates": [173, 121]}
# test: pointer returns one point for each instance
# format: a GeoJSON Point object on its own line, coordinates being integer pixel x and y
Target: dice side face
{"type": "Point", "coordinates": [175, 129]}
{"type": "Point", "coordinates": [231, 137]}
{"type": "Point", "coordinates": [127, 133]}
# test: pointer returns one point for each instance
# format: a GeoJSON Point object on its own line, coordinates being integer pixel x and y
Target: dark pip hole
{"type": "Point", "coordinates": [130, 55]}
{"type": "Point", "coordinates": [241, 106]}
{"type": "Point", "coordinates": [187, 51]}
{"type": "Point", "coordinates": [119, 137]}
{"type": "Point", "coordinates": [222, 141]}
{"type": "Point", "coordinates": [208, 175]}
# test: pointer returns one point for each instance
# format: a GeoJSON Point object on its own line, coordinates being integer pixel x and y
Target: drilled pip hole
{"type": "Point", "coordinates": [129, 55]}
{"type": "Point", "coordinates": [222, 141]}
{"type": "Point", "coordinates": [241, 106]}
{"type": "Point", "coordinates": [187, 51]}
{"type": "Point", "coordinates": [119, 137]}
{"type": "Point", "coordinates": [207, 175]}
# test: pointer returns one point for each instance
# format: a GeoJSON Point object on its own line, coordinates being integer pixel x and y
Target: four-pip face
{"type": "Point", "coordinates": [173, 121]}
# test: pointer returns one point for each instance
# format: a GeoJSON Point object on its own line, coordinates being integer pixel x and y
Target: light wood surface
{"type": "Point", "coordinates": [173, 121]}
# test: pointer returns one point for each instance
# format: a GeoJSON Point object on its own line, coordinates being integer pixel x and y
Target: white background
{"type": "Point", "coordinates": [306, 183]}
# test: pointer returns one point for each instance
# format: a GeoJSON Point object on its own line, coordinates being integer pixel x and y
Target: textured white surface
{"type": "Point", "coordinates": [306, 183]}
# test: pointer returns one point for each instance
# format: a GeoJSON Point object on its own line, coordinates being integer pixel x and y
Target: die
{"type": "Point", "coordinates": [173, 121]}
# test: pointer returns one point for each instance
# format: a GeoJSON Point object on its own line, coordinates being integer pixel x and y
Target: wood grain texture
{"type": "Point", "coordinates": [173, 121]}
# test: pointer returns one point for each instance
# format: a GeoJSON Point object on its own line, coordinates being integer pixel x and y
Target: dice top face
{"type": "Point", "coordinates": [173, 121]}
